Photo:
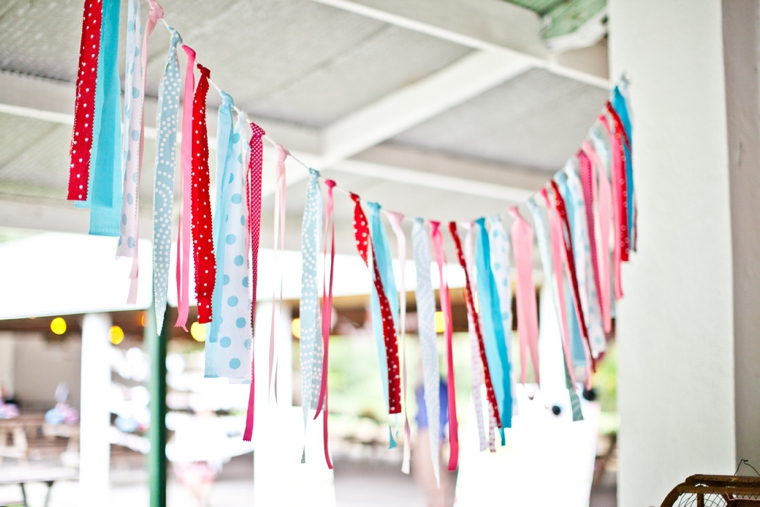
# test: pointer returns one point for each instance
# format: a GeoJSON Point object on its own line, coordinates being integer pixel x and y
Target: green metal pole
{"type": "Point", "coordinates": [156, 346]}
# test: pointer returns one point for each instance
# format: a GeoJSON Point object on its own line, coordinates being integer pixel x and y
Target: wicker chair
{"type": "Point", "coordinates": [715, 491]}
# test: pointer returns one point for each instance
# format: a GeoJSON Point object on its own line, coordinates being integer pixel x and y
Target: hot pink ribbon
{"type": "Point", "coordinates": [556, 237]}
{"type": "Point", "coordinates": [440, 258]}
{"type": "Point", "coordinates": [183, 225]}
{"type": "Point", "coordinates": [255, 169]}
{"type": "Point", "coordinates": [279, 244]}
{"type": "Point", "coordinates": [395, 220]}
{"type": "Point", "coordinates": [327, 296]}
{"type": "Point", "coordinates": [617, 207]}
{"type": "Point", "coordinates": [527, 313]}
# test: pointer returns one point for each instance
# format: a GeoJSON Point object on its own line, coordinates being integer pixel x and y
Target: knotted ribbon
{"type": "Point", "coordinates": [203, 241]}
{"type": "Point", "coordinates": [527, 313]}
{"type": "Point", "coordinates": [327, 296]}
{"type": "Point", "coordinates": [133, 141]}
{"type": "Point", "coordinates": [426, 330]}
{"type": "Point", "coordinates": [587, 160]}
{"type": "Point", "coordinates": [84, 106]}
{"type": "Point", "coordinates": [389, 363]}
{"type": "Point", "coordinates": [495, 338]}
{"type": "Point", "coordinates": [279, 244]}
{"type": "Point", "coordinates": [620, 105]}
{"type": "Point", "coordinates": [185, 177]}
{"type": "Point", "coordinates": [395, 221]}
{"type": "Point", "coordinates": [620, 145]}
{"type": "Point", "coordinates": [617, 208]}
{"type": "Point", "coordinates": [542, 238]}
{"type": "Point", "coordinates": [163, 185]}
{"type": "Point", "coordinates": [311, 345]}
{"type": "Point", "coordinates": [440, 258]}
{"type": "Point", "coordinates": [481, 372]}
{"type": "Point", "coordinates": [105, 168]}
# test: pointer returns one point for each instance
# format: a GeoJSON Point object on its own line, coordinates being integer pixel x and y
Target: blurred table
{"type": "Point", "coordinates": [25, 475]}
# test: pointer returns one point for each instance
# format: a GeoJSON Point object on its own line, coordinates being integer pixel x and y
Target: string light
{"type": "Point", "coordinates": [198, 331]}
{"type": "Point", "coordinates": [295, 328]}
{"type": "Point", "coordinates": [440, 322]}
{"type": "Point", "coordinates": [58, 326]}
{"type": "Point", "coordinates": [116, 335]}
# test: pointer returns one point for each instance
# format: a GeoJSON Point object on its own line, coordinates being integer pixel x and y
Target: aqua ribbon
{"type": "Point", "coordinates": [225, 158]}
{"type": "Point", "coordinates": [311, 331]}
{"type": "Point", "coordinates": [620, 104]}
{"type": "Point", "coordinates": [163, 186]}
{"type": "Point", "coordinates": [490, 309]}
{"type": "Point", "coordinates": [106, 177]}
{"type": "Point", "coordinates": [426, 330]}
{"type": "Point", "coordinates": [542, 237]}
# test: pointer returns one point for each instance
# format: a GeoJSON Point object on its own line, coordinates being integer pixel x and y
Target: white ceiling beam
{"type": "Point", "coordinates": [416, 103]}
{"type": "Point", "coordinates": [487, 25]}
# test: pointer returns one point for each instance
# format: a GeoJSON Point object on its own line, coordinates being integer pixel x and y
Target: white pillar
{"type": "Point", "coordinates": [95, 417]}
{"type": "Point", "coordinates": [687, 327]}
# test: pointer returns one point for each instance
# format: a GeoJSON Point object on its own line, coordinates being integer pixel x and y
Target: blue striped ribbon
{"type": "Point", "coordinates": [426, 331]}
{"type": "Point", "coordinates": [163, 186]}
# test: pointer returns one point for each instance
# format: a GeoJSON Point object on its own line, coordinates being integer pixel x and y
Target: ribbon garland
{"type": "Point", "coordinates": [443, 290]}
{"type": "Point", "coordinates": [80, 149]}
{"type": "Point", "coordinates": [203, 241]}
{"type": "Point", "coordinates": [426, 330]}
{"type": "Point", "coordinates": [163, 185]}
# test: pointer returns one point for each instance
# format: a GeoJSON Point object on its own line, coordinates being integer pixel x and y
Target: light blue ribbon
{"type": "Point", "coordinates": [163, 186]}
{"type": "Point", "coordinates": [426, 330]}
{"type": "Point", "coordinates": [134, 29]}
{"type": "Point", "coordinates": [542, 237]}
{"type": "Point", "coordinates": [311, 330]}
{"type": "Point", "coordinates": [106, 177]}
{"type": "Point", "coordinates": [224, 160]}
{"type": "Point", "coordinates": [382, 253]}
{"type": "Point", "coordinates": [490, 309]}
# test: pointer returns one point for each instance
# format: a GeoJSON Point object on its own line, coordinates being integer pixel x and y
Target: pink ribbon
{"type": "Point", "coordinates": [327, 296]}
{"type": "Point", "coordinates": [255, 169]}
{"type": "Point", "coordinates": [183, 225]}
{"type": "Point", "coordinates": [556, 236]}
{"type": "Point", "coordinates": [395, 220]}
{"type": "Point", "coordinates": [527, 313]}
{"type": "Point", "coordinates": [617, 207]}
{"type": "Point", "coordinates": [440, 258]}
{"type": "Point", "coordinates": [279, 244]}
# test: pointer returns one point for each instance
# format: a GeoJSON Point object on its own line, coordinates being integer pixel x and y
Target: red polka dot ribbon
{"type": "Point", "coordinates": [363, 244]}
{"type": "Point", "coordinates": [84, 107]}
{"type": "Point", "coordinates": [255, 169]}
{"type": "Point", "coordinates": [203, 244]}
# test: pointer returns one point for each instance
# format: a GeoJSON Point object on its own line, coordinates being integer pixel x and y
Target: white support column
{"type": "Point", "coordinates": [689, 357]}
{"type": "Point", "coordinates": [95, 417]}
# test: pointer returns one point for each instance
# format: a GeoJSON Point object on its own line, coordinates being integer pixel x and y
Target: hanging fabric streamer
{"type": "Point", "coordinates": [556, 243]}
{"type": "Point", "coordinates": [490, 309]}
{"type": "Point", "coordinates": [105, 164]}
{"type": "Point", "coordinates": [589, 298]}
{"type": "Point", "coordinates": [310, 342]}
{"type": "Point", "coordinates": [500, 267]}
{"type": "Point", "coordinates": [225, 158]}
{"type": "Point", "coordinates": [185, 178]}
{"type": "Point", "coordinates": [426, 330]}
{"type": "Point", "coordinates": [203, 241]}
{"type": "Point", "coordinates": [388, 355]}
{"type": "Point", "coordinates": [621, 155]}
{"type": "Point", "coordinates": [620, 105]}
{"type": "Point", "coordinates": [604, 218]}
{"type": "Point", "coordinates": [527, 313]}
{"type": "Point", "coordinates": [395, 220]}
{"type": "Point", "coordinates": [481, 373]}
{"type": "Point", "coordinates": [617, 207]}
{"type": "Point", "coordinates": [84, 106]}
{"type": "Point", "coordinates": [542, 238]}
{"type": "Point", "coordinates": [327, 295]}
{"type": "Point", "coordinates": [440, 258]}
{"type": "Point", "coordinates": [163, 184]}
{"type": "Point", "coordinates": [133, 140]}
{"type": "Point", "coordinates": [587, 161]}
{"type": "Point", "coordinates": [277, 273]}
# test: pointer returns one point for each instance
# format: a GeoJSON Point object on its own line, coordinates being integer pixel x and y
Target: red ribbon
{"type": "Point", "coordinates": [586, 170]}
{"type": "Point", "coordinates": [440, 257]}
{"type": "Point", "coordinates": [490, 393]}
{"type": "Point", "coordinates": [255, 170]}
{"type": "Point", "coordinates": [84, 107]}
{"type": "Point", "coordinates": [619, 157]}
{"type": "Point", "coordinates": [559, 203]}
{"type": "Point", "coordinates": [363, 244]}
{"type": "Point", "coordinates": [327, 296]}
{"type": "Point", "coordinates": [203, 242]}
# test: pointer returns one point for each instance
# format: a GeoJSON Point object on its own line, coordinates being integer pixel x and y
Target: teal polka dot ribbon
{"type": "Point", "coordinates": [163, 183]}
